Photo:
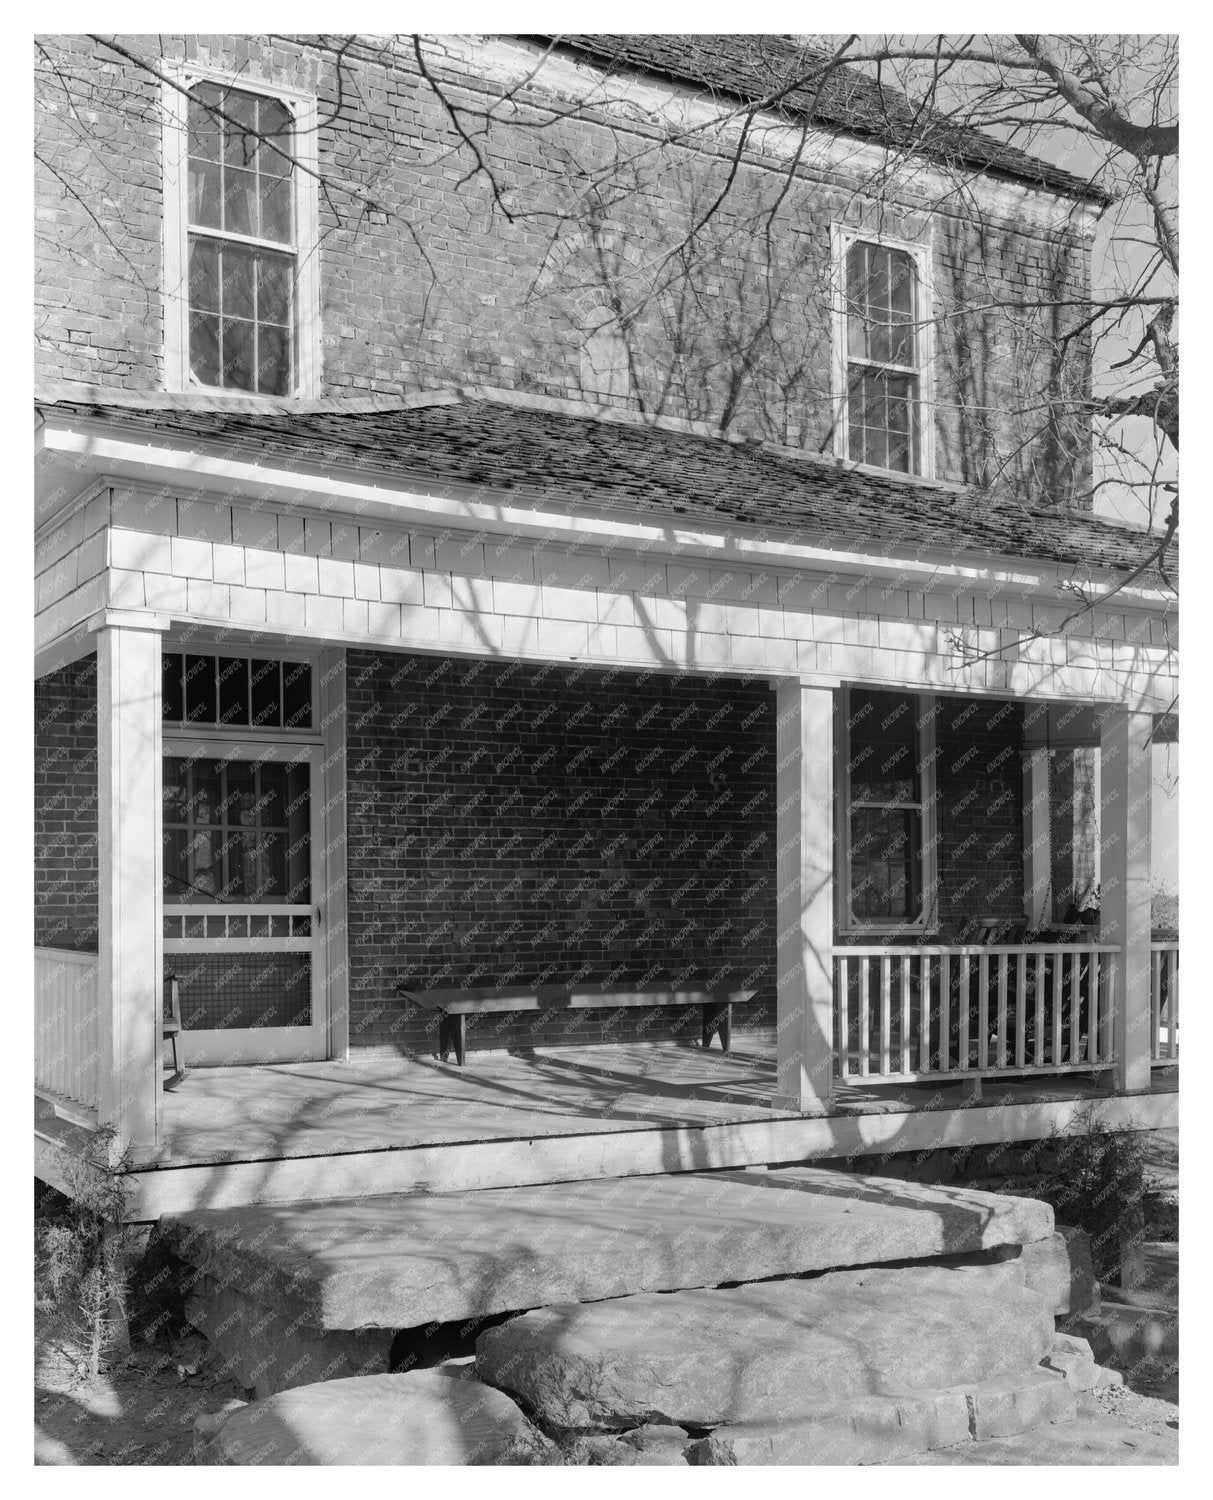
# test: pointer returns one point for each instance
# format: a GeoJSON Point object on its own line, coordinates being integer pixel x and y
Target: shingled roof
{"type": "Point", "coordinates": [843, 99]}
{"type": "Point", "coordinates": [558, 460]}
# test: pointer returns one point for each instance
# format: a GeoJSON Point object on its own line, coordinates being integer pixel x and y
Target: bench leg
{"type": "Point", "coordinates": [459, 1026]}
{"type": "Point", "coordinates": [718, 1018]}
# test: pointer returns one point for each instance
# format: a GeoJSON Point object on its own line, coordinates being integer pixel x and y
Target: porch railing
{"type": "Point", "coordinates": [66, 1024]}
{"type": "Point", "coordinates": [913, 1013]}
{"type": "Point", "coordinates": [1164, 1002]}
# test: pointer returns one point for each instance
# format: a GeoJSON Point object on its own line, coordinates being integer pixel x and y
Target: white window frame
{"type": "Point", "coordinates": [175, 90]}
{"type": "Point", "coordinates": [849, 925]}
{"type": "Point", "coordinates": [841, 239]}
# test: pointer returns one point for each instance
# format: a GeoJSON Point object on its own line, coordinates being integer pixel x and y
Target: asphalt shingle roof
{"type": "Point", "coordinates": [752, 67]}
{"type": "Point", "coordinates": [557, 460]}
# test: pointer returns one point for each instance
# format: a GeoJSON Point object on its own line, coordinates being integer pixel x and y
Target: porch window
{"type": "Point", "coordinates": [887, 810]}
{"type": "Point", "coordinates": [236, 692]}
{"type": "Point", "coordinates": [883, 400]}
{"type": "Point", "coordinates": [240, 241]}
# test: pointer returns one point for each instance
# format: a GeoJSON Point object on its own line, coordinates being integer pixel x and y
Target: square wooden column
{"type": "Point", "coordinates": [130, 983]}
{"type": "Point", "coordinates": [1124, 898]}
{"type": "Point", "coordinates": [804, 748]}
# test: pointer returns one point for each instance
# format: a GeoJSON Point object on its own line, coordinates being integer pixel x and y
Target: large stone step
{"type": "Point", "coordinates": [771, 1352]}
{"type": "Point", "coordinates": [400, 1261]}
{"type": "Point", "coordinates": [296, 1292]}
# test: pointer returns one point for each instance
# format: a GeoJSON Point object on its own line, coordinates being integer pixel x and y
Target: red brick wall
{"type": "Point", "coordinates": [65, 807]}
{"type": "Point", "coordinates": [518, 822]}
{"type": "Point", "coordinates": [979, 781]}
{"type": "Point", "coordinates": [425, 283]}
{"type": "Point", "coordinates": [510, 822]}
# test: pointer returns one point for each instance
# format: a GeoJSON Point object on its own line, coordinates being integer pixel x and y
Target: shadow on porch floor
{"type": "Point", "coordinates": [372, 1103]}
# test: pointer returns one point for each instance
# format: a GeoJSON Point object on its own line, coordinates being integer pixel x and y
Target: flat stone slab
{"type": "Point", "coordinates": [770, 1352]}
{"type": "Point", "coordinates": [1150, 1273]}
{"type": "Point", "coordinates": [426, 1417]}
{"type": "Point", "coordinates": [404, 1260]}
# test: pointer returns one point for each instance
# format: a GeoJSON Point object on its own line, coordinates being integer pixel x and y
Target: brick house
{"type": "Point", "coordinates": [434, 591]}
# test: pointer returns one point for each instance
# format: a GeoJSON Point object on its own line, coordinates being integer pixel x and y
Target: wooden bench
{"type": "Point", "coordinates": [454, 1006]}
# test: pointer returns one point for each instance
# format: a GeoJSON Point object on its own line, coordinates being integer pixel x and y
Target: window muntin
{"type": "Point", "coordinates": [886, 811]}
{"type": "Point", "coordinates": [235, 692]}
{"type": "Point", "coordinates": [883, 359]}
{"type": "Point", "coordinates": [242, 241]}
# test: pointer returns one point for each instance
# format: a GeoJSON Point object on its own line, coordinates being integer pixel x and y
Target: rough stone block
{"type": "Point", "coordinates": [1072, 1358]}
{"type": "Point", "coordinates": [1060, 1269]}
{"type": "Point", "coordinates": [1003, 1408]}
{"type": "Point", "coordinates": [771, 1352]}
{"type": "Point", "coordinates": [270, 1349]}
{"type": "Point", "coordinates": [426, 1417]}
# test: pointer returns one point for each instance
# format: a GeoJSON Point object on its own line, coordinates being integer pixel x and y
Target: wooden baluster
{"type": "Point", "coordinates": [886, 1009]}
{"type": "Point", "coordinates": [865, 1016]}
{"type": "Point", "coordinates": [1058, 1002]}
{"type": "Point", "coordinates": [1038, 1048]}
{"type": "Point", "coordinates": [1021, 1006]}
{"type": "Point", "coordinates": [983, 1012]}
{"type": "Point", "coordinates": [905, 1014]}
{"type": "Point", "coordinates": [963, 975]}
{"type": "Point", "coordinates": [1173, 1005]}
{"type": "Point", "coordinates": [1000, 1040]}
{"type": "Point", "coordinates": [844, 1029]}
{"type": "Point", "coordinates": [1156, 969]}
{"type": "Point", "coordinates": [945, 1013]}
{"type": "Point", "coordinates": [924, 1014]}
{"type": "Point", "coordinates": [1075, 997]}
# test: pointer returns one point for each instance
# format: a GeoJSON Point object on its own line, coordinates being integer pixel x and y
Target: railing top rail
{"type": "Point", "coordinates": [78, 955]}
{"type": "Point", "coordinates": [1163, 943]}
{"type": "Point", "coordinates": [971, 950]}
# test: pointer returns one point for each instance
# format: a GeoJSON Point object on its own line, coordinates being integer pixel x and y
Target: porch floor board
{"type": "Point", "coordinates": [280, 1111]}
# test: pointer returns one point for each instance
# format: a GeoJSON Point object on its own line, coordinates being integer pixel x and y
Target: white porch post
{"type": "Point", "coordinates": [804, 747]}
{"type": "Point", "coordinates": [129, 898]}
{"type": "Point", "coordinates": [1124, 902]}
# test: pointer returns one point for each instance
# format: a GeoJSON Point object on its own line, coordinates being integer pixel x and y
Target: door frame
{"type": "Point", "coordinates": [264, 1044]}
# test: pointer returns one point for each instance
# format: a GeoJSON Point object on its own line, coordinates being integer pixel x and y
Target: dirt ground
{"type": "Point", "coordinates": [142, 1408]}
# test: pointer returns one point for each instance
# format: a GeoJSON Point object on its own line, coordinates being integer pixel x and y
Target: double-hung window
{"type": "Point", "coordinates": [882, 367]}
{"type": "Point", "coordinates": [886, 811]}
{"type": "Point", "coordinates": [240, 241]}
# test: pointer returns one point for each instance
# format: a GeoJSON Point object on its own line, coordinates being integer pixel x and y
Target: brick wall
{"type": "Point", "coordinates": [65, 807]}
{"type": "Point", "coordinates": [513, 822]}
{"type": "Point", "coordinates": [508, 821]}
{"type": "Point", "coordinates": [426, 283]}
{"type": "Point", "coordinates": [979, 781]}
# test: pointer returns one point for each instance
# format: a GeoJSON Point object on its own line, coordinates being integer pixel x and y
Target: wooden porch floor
{"type": "Point", "coordinates": [280, 1111]}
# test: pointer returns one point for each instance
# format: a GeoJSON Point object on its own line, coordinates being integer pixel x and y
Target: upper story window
{"type": "Point", "coordinates": [240, 241]}
{"type": "Point", "coordinates": [882, 361]}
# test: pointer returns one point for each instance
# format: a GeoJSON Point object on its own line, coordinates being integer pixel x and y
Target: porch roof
{"type": "Point", "coordinates": [555, 456]}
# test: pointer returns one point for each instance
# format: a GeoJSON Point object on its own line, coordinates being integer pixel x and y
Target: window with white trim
{"type": "Point", "coordinates": [886, 811]}
{"type": "Point", "coordinates": [883, 360]}
{"type": "Point", "coordinates": [240, 240]}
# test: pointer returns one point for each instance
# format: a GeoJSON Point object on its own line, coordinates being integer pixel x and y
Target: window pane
{"type": "Point", "coordinates": [172, 700]}
{"type": "Point", "coordinates": [205, 200]}
{"type": "Point", "coordinates": [266, 696]}
{"type": "Point", "coordinates": [884, 741]}
{"type": "Point", "coordinates": [205, 365]}
{"type": "Point", "coordinates": [239, 201]}
{"type": "Point", "coordinates": [277, 194]}
{"type": "Point", "coordinates": [296, 695]}
{"type": "Point", "coordinates": [274, 360]}
{"type": "Point", "coordinates": [205, 869]}
{"type": "Point", "coordinates": [233, 690]}
{"type": "Point", "coordinates": [200, 689]}
{"type": "Point", "coordinates": [239, 277]}
{"type": "Point", "coordinates": [204, 129]}
{"type": "Point", "coordinates": [274, 290]}
{"type": "Point", "coordinates": [242, 794]}
{"type": "Point", "coordinates": [239, 144]}
{"type": "Point", "coordinates": [176, 865]}
{"type": "Point", "coordinates": [274, 123]}
{"type": "Point", "coordinates": [206, 792]}
{"type": "Point", "coordinates": [174, 789]}
{"type": "Point", "coordinates": [272, 797]}
{"type": "Point", "coordinates": [204, 276]}
{"type": "Point", "coordinates": [886, 856]}
{"type": "Point", "coordinates": [239, 355]}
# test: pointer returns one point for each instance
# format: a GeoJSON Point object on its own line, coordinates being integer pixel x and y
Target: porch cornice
{"type": "Point", "coordinates": [97, 454]}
